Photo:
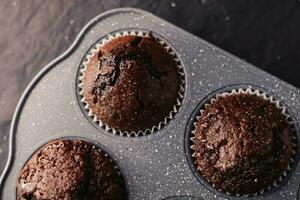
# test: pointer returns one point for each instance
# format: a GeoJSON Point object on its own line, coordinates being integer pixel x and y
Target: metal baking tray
{"type": "Point", "coordinates": [155, 166]}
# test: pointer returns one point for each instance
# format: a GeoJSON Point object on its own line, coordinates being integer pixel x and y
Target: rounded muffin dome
{"type": "Point", "coordinates": [131, 84]}
{"type": "Point", "coordinates": [70, 170]}
{"type": "Point", "coordinates": [239, 140]}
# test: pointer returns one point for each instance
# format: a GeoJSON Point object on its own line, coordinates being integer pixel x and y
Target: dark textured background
{"type": "Point", "coordinates": [32, 33]}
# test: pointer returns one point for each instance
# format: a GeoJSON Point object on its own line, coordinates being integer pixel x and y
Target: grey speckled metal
{"type": "Point", "coordinates": [154, 166]}
{"type": "Point", "coordinates": [183, 198]}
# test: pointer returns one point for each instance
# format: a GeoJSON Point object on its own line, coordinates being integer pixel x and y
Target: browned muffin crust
{"type": "Point", "coordinates": [70, 170]}
{"type": "Point", "coordinates": [242, 144]}
{"type": "Point", "coordinates": [131, 84]}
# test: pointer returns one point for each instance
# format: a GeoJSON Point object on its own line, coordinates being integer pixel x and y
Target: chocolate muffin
{"type": "Point", "coordinates": [242, 144]}
{"type": "Point", "coordinates": [131, 83]}
{"type": "Point", "coordinates": [70, 170]}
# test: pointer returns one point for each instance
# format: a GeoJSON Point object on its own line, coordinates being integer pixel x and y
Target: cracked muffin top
{"type": "Point", "coordinates": [70, 170]}
{"type": "Point", "coordinates": [131, 83]}
{"type": "Point", "coordinates": [242, 144]}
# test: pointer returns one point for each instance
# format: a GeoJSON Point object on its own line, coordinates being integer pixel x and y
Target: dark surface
{"type": "Point", "coordinates": [131, 83]}
{"type": "Point", "coordinates": [237, 147]}
{"type": "Point", "coordinates": [70, 170]}
{"type": "Point", "coordinates": [32, 33]}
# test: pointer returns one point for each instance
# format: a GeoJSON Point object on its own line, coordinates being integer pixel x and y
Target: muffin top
{"type": "Point", "coordinates": [70, 170]}
{"type": "Point", "coordinates": [239, 140]}
{"type": "Point", "coordinates": [131, 83]}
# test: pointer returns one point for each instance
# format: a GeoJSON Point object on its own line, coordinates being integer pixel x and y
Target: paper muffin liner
{"type": "Point", "coordinates": [266, 97]}
{"type": "Point", "coordinates": [97, 47]}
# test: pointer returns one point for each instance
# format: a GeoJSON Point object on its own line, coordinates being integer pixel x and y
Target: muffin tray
{"type": "Point", "coordinates": [157, 165]}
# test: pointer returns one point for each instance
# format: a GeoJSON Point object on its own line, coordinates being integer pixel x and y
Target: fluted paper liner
{"type": "Point", "coordinates": [266, 97]}
{"type": "Point", "coordinates": [96, 49]}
